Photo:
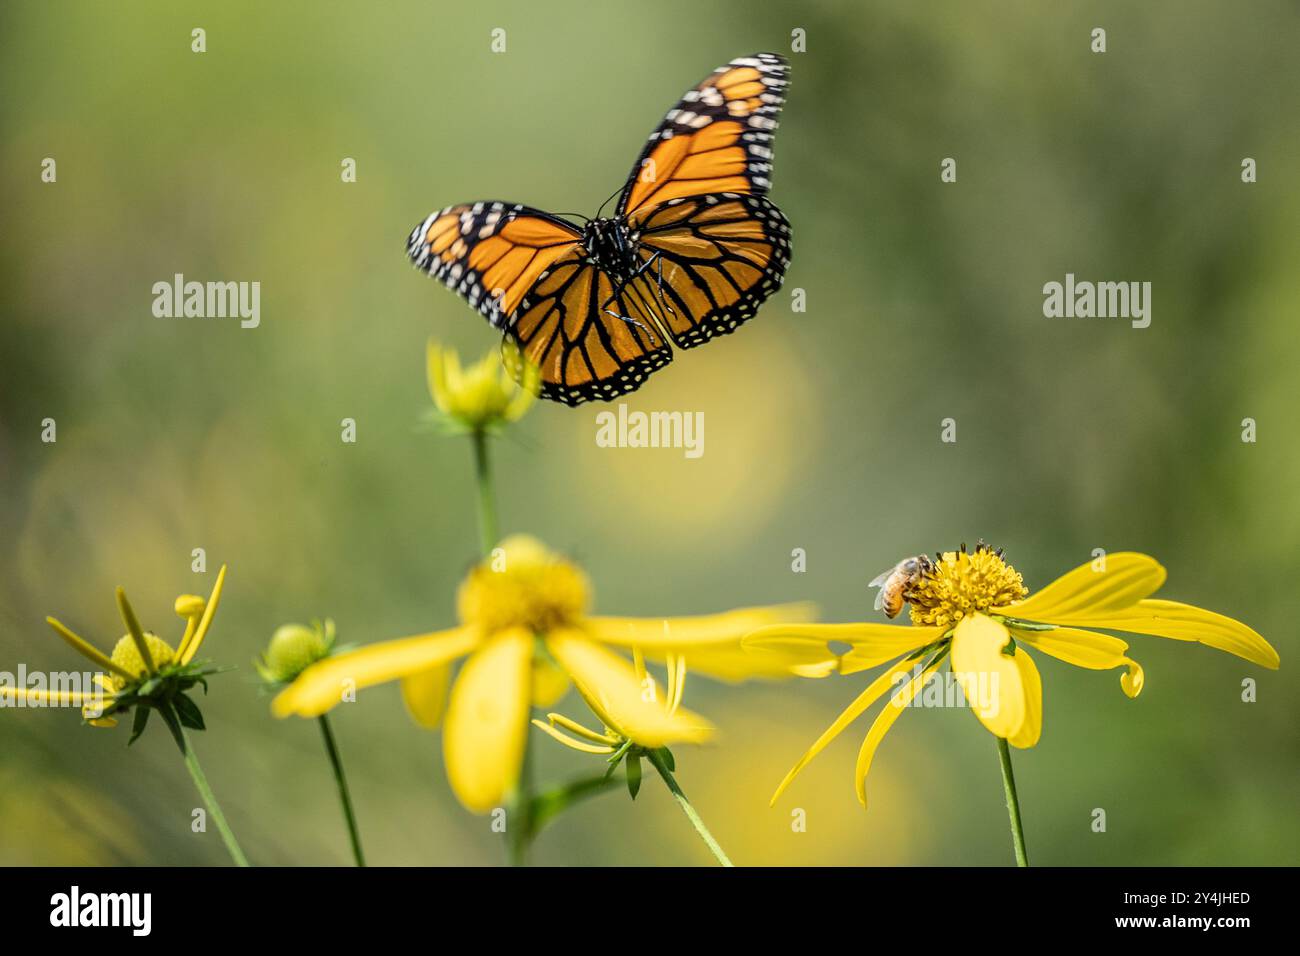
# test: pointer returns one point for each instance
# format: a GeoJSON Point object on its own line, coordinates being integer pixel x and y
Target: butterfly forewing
{"type": "Point", "coordinates": [717, 139]}
{"type": "Point", "coordinates": [491, 253]}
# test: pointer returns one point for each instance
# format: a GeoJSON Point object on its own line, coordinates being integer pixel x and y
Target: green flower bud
{"type": "Point", "coordinates": [294, 648]}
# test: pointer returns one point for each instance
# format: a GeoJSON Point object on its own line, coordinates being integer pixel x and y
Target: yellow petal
{"type": "Point", "coordinates": [1128, 578]}
{"type": "Point", "coordinates": [1184, 622]}
{"type": "Point", "coordinates": [851, 713]}
{"type": "Point", "coordinates": [453, 378]}
{"type": "Point", "coordinates": [736, 663]}
{"type": "Point", "coordinates": [136, 632]}
{"type": "Point", "coordinates": [191, 625]}
{"type": "Point", "coordinates": [892, 710]}
{"type": "Point", "coordinates": [94, 709]}
{"type": "Point", "coordinates": [529, 380]}
{"type": "Point", "coordinates": [320, 687]}
{"type": "Point", "coordinates": [189, 605]}
{"type": "Point", "coordinates": [88, 650]}
{"type": "Point", "coordinates": [609, 685]}
{"type": "Point", "coordinates": [570, 742]}
{"type": "Point", "coordinates": [1032, 728]}
{"type": "Point", "coordinates": [711, 644]}
{"type": "Point", "coordinates": [436, 374]}
{"type": "Point", "coordinates": [989, 678]}
{"type": "Point", "coordinates": [53, 698]}
{"type": "Point", "coordinates": [576, 728]}
{"type": "Point", "coordinates": [487, 721]}
{"type": "Point", "coordinates": [550, 683]}
{"type": "Point", "coordinates": [205, 622]}
{"type": "Point", "coordinates": [681, 633]}
{"type": "Point", "coordinates": [789, 646]}
{"type": "Point", "coordinates": [676, 682]}
{"type": "Point", "coordinates": [882, 642]}
{"type": "Point", "coordinates": [425, 695]}
{"type": "Point", "coordinates": [806, 645]}
{"type": "Point", "coordinates": [1096, 652]}
{"type": "Point", "coordinates": [1132, 679]}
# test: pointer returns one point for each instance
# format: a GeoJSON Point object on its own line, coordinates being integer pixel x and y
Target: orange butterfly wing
{"type": "Point", "coordinates": [712, 246]}
{"type": "Point", "coordinates": [717, 139]}
{"type": "Point", "coordinates": [583, 352]}
{"type": "Point", "coordinates": [710, 262]}
{"type": "Point", "coordinates": [491, 253]}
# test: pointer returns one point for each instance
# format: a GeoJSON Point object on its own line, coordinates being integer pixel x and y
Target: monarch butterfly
{"type": "Point", "coordinates": [691, 251]}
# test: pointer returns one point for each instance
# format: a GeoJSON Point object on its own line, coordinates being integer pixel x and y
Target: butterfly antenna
{"type": "Point", "coordinates": [606, 202]}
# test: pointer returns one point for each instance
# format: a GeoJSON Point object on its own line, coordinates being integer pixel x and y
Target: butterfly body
{"type": "Point", "coordinates": [611, 247]}
{"type": "Point", "coordinates": [692, 250]}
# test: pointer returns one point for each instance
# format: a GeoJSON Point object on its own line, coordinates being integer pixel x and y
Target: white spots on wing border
{"type": "Point", "coordinates": [704, 105]}
{"type": "Point", "coordinates": [477, 221]}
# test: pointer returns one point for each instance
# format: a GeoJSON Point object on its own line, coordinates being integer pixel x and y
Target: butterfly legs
{"type": "Point", "coordinates": [656, 258]}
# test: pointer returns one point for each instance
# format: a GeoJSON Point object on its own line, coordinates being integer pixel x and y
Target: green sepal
{"type": "Point", "coordinates": [168, 714]}
{"type": "Point", "coordinates": [1025, 625]}
{"type": "Point", "coordinates": [138, 723]}
{"type": "Point", "coordinates": [550, 804]}
{"type": "Point", "coordinates": [666, 756]}
{"type": "Point", "coordinates": [615, 757]}
{"type": "Point", "coordinates": [188, 712]}
{"type": "Point", "coordinates": [634, 774]}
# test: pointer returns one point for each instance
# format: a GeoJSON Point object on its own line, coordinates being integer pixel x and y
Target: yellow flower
{"type": "Point", "coordinates": [621, 743]}
{"type": "Point", "coordinates": [484, 395]}
{"type": "Point", "coordinates": [526, 631]}
{"type": "Point", "coordinates": [616, 738]}
{"type": "Point", "coordinates": [973, 610]}
{"type": "Point", "coordinates": [142, 667]}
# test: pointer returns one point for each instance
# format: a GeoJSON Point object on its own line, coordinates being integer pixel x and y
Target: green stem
{"type": "Point", "coordinates": [487, 513]}
{"type": "Point", "coordinates": [519, 816]}
{"type": "Point", "coordinates": [201, 782]}
{"type": "Point", "coordinates": [1013, 803]}
{"type": "Point", "coordinates": [344, 797]}
{"type": "Point", "coordinates": [519, 825]}
{"type": "Point", "coordinates": [687, 809]}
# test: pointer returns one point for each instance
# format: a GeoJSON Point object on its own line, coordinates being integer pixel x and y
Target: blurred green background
{"type": "Point", "coordinates": [822, 428]}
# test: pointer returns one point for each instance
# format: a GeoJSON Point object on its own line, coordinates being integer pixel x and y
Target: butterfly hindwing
{"type": "Point", "coordinates": [491, 253]}
{"type": "Point", "coordinates": [710, 262]}
{"type": "Point", "coordinates": [585, 348]}
{"type": "Point", "coordinates": [717, 139]}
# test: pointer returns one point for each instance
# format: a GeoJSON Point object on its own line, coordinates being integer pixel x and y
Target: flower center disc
{"type": "Point", "coordinates": [960, 584]}
{"type": "Point", "coordinates": [127, 656]}
{"type": "Point", "coordinates": [522, 584]}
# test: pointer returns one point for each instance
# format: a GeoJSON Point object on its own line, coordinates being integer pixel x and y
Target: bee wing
{"type": "Point", "coordinates": [880, 597]}
{"type": "Point", "coordinates": [879, 580]}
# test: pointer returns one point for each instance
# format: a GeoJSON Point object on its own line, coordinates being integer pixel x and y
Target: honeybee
{"type": "Point", "coordinates": [895, 583]}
